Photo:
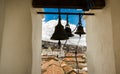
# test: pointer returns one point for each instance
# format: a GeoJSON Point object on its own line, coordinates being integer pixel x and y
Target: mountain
{"type": "Point", "coordinates": [48, 30]}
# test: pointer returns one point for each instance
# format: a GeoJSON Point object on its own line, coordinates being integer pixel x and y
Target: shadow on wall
{"type": "Point", "coordinates": [1, 22]}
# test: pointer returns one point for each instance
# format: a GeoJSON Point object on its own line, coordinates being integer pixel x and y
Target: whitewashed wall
{"type": "Point", "coordinates": [115, 14]}
{"type": "Point", "coordinates": [36, 42]}
{"type": "Point", "coordinates": [1, 21]}
{"type": "Point", "coordinates": [103, 39]}
{"type": "Point", "coordinates": [16, 51]}
{"type": "Point", "coordinates": [20, 40]}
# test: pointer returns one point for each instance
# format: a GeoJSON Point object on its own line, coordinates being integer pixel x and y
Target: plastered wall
{"type": "Point", "coordinates": [103, 39]}
{"type": "Point", "coordinates": [115, 13]}
{"type": "Point", "coordinates": [16, 48]}
{"type": "Point", "coordinates": [1, 21]}
{"type": "Point", "coordinates": [20, 37]}
{"type": "Point", "coordinates": [100, 44]}
{"type": "Point", "coordinates": [36, 41]}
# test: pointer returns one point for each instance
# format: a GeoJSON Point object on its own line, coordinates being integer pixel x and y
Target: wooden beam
{"type": "Point", "coordinates": [78, 4]}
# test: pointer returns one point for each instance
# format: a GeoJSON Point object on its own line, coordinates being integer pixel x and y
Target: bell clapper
{"type": "Point", "coordinates": [59, 44]}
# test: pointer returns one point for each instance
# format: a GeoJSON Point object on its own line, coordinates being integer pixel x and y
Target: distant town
{"type": "Point", "coordinates": [65, 59]}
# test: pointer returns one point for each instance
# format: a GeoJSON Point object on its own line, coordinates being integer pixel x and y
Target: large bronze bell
{"type": "Point", "coordinates": [59, 33]}
{"type": "Point", "coordinates": [67, 29]}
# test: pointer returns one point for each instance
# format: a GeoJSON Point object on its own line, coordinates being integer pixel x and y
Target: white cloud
{"type": "Point", "coordinates": [48, 29]}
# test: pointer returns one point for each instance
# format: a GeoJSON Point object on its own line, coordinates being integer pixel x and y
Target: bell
{"type": "Point", "coordinates": [59, 33]}
{"type": "Point", "coordinates": [68, 30]}
{"type": "Point", "coordinates": [80, 30]}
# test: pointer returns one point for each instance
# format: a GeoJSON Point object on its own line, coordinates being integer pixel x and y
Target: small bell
{"type": "Point", "coordinates": [80, 30]}
{"type": "Point", "coordinates": [68, 30]}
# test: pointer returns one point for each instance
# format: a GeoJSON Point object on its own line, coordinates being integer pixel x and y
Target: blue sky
{"type": "Point", "coordinates": [73, 19]}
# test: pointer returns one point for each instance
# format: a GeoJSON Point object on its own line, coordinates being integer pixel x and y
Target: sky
{"type": "Point", "coordinates": [73, 19]}
{"type": "Point", "coordinates": [48, 30]}
{"type": "Point", "coordinates": [50, 21]}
